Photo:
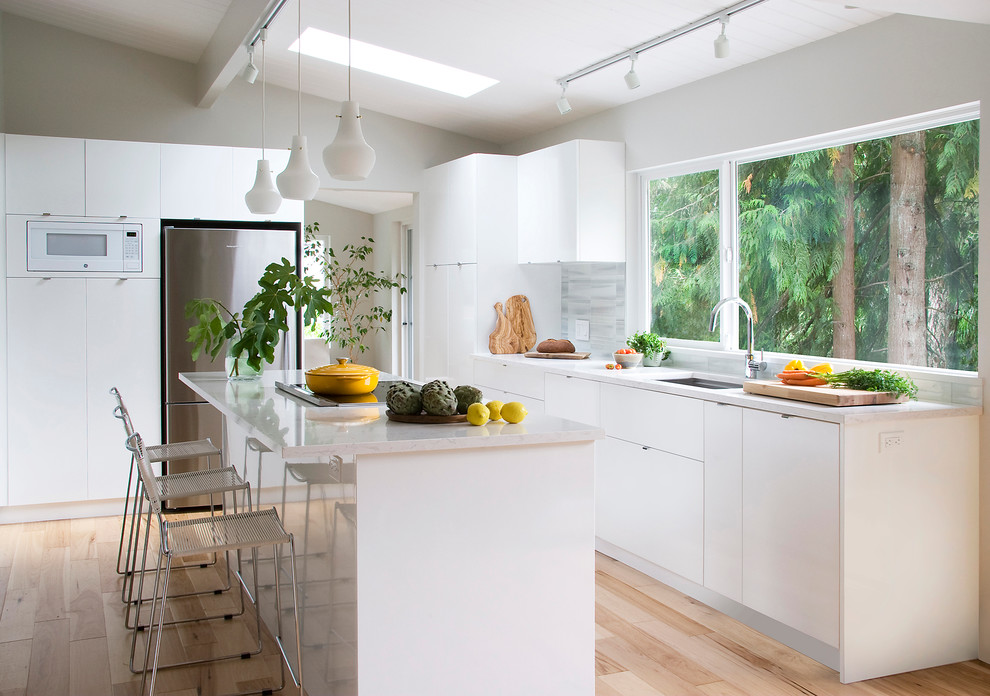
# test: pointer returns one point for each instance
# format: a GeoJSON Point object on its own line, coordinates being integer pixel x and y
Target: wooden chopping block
{"type": "Point", "coordinates": [502, 339]}
{"type": "Point", "coordinates": [520, 317]}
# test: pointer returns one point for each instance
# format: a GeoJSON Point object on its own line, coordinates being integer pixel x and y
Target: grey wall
{"type": "Point", "coordinates": [58, 82]}
{"type": "Point", "coordinates": [894, 67]}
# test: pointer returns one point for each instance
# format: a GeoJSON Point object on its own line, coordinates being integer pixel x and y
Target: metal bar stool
{"type": "Point", "coordinates": [207, 482]}
{"type": "Point", "coordinates": [231, 532]}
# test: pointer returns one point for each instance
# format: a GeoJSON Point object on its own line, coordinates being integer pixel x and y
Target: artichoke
{"type": "Point", "coordinates": [439, 399]}
{"type": "Point", "coordinates": [404, 398]}
{"type": "Point", "coordinates": [466, 395]}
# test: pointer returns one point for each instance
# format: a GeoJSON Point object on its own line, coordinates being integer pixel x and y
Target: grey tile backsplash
{"type": "Point", "coordinates": [595, 292]}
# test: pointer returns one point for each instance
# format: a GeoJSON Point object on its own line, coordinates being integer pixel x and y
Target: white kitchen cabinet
{"type": "Point", "coordinates": [46, 383]}
{"type": "Point", "coordinates": [572, 203]}
{"type": "Point", "coordinates": [790, 521]}
{"type": "Point", "coordinates": [662, 421]}
{"type": "Point", "coordinates": [245, 163]}
{"type": "Point", "coordinates": [196, 182]}
{"type": "Point", "coordinates": [45, 175]}
{"type": "Point", "coordinates": [511, 377]}
{"type": "Point", "coordinates": [723, 499]}
{"type": "Point", "coordinates": [123, 179]}
{"type": "Point", "coordinates": [651, 503]}
{"type": "Point", "coordinates": [447, 323]}
{"type": "Point", "coordinates": [573, 398]}
{"type": "Point", "coordinates": [123, 350]}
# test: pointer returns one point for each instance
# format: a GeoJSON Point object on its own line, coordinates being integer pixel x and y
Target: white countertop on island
{"type": "Point", "coordinates": [296, 429]}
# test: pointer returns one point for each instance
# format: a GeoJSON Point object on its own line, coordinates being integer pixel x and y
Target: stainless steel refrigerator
{"type": "Point", "coordinates": [222, 260]}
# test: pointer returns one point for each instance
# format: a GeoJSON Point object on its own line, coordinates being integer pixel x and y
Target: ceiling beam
{"type": "Point", "coordinates": [977, 11]}
{"type": "Point", "coordinates": [225, 55]}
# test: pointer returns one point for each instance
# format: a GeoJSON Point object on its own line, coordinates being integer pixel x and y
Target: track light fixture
{"type": "Point", "coordinates": [631, 78]}
{"type": "Point", "coordinates": [722, 41]}
{"type": "Point", "coordinates": [632, 54]}
{"type": "Point", "coordinates": [250, 73]}
{"type": "Point", "coordinates": [563, 106]}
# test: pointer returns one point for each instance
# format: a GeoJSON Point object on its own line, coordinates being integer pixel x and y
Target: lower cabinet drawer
{"type": "Point", "coordinates": [651, 503]}
{"type": "Point", "coordinates": [573, 398]}
{"type": "Point", "coordinates": [674, 424]}
{"type": "Point", "coordinates": [518, 379]}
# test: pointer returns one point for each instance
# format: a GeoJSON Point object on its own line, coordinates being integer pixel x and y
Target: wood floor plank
{"type": "Point", "coordinates": [57, 533]}
{"type": "Point", "coordinates": [89, 667]}
{"type": "Point", "coordinates": [605, 665]}
{"type": "Point", "coordinates": [49, 669]}
{"type": "Point", "coordinates": [604, 689]}
{"type": "Point", "coordinates": [643, 602]}
{"type": "Point", "coordinates": [82, 538]}
{"type": "Point", "coordinates": [86, 618]}
{"type": "Point", "coordinates": [622, 572]}
{"type": "Point", "coordinates": [633, 684]}
{"type": "Point", "coordinates": [19, 609]}
{"type": "Point", "coordinates": [9, 534]}
{"type": "Point", "coordinates": [53, 585]}
{"type": "Point", "coordinates": [653, 673]}
{"type": "Point", "coordinates": [15, 659]}
{"type": "Point", "coordinates": [25, 568]}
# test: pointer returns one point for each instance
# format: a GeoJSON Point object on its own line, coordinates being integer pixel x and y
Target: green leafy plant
{"type": "Point", "coordinates": [255, 331]}
{"type": "Point", "coordinates": [649, 344]}
{"type": "Point", "coordinates": [874, 380]}
{"type": "Point", "coordinates": [352, 288]}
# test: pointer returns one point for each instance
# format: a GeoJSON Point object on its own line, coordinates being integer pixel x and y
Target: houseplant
{"type": "Point", "coordinates": [653, 348]}
{"type": "Point", "coordinates": [252, 334]}
{"type": "Point", "coordinates": [352, 290]}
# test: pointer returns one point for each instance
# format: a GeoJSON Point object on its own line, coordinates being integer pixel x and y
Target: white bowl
{"type": "Point", "coordinates": [628, 360]}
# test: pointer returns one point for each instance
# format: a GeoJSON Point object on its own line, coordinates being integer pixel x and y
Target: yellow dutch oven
{"type": "Point", "coordinates": [342, 379]}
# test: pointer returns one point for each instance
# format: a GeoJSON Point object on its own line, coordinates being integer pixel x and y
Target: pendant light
{"type": "Point", "coordinates": [263, 198]}
{"type": "Point", "coordinates": [349, 157]}
{"type": "Point", "coordinates": [298, 181]}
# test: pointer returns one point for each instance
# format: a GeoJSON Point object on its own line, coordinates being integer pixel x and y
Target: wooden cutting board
{"type": "Point", "coordinates": [558, 356]}
{"type": "Point", "coordinates": [520, 316]}
{"type": "Point", "coordinates": [503, 339]}
{"type": "Point", "coordinates": [827, 396]}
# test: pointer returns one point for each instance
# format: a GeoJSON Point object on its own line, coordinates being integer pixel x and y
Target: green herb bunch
{"type": "Point", "coordinates": [649, 344]}
{"type": "Point", "coordinates": [873, 380]}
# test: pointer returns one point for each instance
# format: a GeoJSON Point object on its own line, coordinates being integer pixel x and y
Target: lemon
{"type": "Point", "coordinates": [514, 412]}
{"type": "Point", "coordinates": [477, 414]}
{"type": "Point", "coordinates": [823, 369]}
{"type": "Point", "coordinates": [495, 410]}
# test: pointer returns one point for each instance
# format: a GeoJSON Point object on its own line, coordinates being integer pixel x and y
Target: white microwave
{"type": "Point", "coordinates": [109, 247]}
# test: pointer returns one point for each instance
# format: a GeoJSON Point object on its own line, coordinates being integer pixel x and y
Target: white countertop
{"type": "Point", "coordinates": [296, 429]}
{"type": "Point", "coordinates": [651, 378]}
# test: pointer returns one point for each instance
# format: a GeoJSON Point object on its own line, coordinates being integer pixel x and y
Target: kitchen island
{"type": "Point", "coordinates": [433, 559]}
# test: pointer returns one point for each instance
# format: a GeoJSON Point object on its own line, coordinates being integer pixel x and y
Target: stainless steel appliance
{"type": "Point", "coordinates": [222, 260]}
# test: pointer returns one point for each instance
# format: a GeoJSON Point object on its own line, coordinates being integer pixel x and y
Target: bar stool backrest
{"type": "Point", "coordinates": [136, 445]}
{"type": "Point", "coordinates": [120, 411]}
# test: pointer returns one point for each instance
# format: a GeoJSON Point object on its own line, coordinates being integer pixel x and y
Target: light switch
{"type": "Point", "coordinates": [582, 329]}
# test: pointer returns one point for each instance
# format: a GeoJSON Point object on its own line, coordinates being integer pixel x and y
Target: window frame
{"type": "Point", "coordinates": [727, 165]}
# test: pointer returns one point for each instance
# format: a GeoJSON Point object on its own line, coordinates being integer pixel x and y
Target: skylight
{"type": "Point", "coordinates": [383, 61]}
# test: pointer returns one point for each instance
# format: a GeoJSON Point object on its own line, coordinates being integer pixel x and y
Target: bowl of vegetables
{"type": "Point", "coordinates": [653, 348]}
{"type": "Point", "coordinates": [628, 358]}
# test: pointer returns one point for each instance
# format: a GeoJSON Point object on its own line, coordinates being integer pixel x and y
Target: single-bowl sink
{"type": "Point", "coordinates": [702, 382]}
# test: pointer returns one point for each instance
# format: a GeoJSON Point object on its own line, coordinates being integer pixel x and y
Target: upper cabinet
{"type": "Point", "coordinates": [46, 175]}
{"type": "Point", "coordinates": [571, 201]}
{"type": "Point", "coordinates": [196, 182]}
{"type": "Point", "coordinates": [123, 179]}
{"type": "Point", "coordinates": [463, 200]}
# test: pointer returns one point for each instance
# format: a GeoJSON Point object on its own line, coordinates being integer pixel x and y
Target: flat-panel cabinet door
{"type": "Point", "coordinates": [124, 349]}
{"type": "Point", "coordinates": [462, 293]}
{"type": "Point", "coordinates": [46, 402]}
{"type": "Point", "coordinates": [573, 398]}
{"type": "Point", "coordinates": [123, 178]}
{"type": "Point", "coordinates": [196, 181]}
{"type": "Point", "coordinates": [547, 187]}
{"type": "Point", "coordinates": [665, 421]}
{"type": "Point", "coordinates": [448, 212]}
{"type": "Point", "coordinates": [791, 521]}
{"type": "Point", "coordinates": [433, 323]}
{"type": "Point", "coordinates": [651, 503]}
{"type": "Point", "coordinates": [723, 499]}
{"type": "Point", "coordinates": [46, 175]}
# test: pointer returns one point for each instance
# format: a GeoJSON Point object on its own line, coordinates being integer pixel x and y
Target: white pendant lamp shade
{"type": "Point", "coordinates": [349, 157]}
{"type": "Point", "coordinates": [263, 198]}
{"type": "Point", "coordinates": [298, 182]}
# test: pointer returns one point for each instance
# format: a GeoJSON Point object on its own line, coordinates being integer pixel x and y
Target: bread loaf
{"type": "Point", "coordinates": [555, 345]}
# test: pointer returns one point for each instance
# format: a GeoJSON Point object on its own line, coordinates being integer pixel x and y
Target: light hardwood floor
{"type": "Point", "coordinates": [61, 632]}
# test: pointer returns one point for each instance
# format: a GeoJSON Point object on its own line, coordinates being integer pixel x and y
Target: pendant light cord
{"type": "Point", "coordinates": [348, 50]}
{"type": "Point", "coordinates": [263, 93]}
{"type": "Point", "coordinates": [299, 70]}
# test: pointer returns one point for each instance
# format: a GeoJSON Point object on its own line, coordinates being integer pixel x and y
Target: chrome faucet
{"type": "Point", "coordinates": [753, 367]}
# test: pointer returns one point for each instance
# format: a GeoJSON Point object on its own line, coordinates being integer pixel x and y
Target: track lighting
{"type": "Point", "coordinates": [722, 41]}
{"type": "Point", "coordinates": [631, 78]}
{"type": "Point", "coordinates": [250, 73]}
{"type": "Point", "coordinates": [563, 106]}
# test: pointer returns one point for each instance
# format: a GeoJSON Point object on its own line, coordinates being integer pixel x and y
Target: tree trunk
{"type": "Point", "coordinates": [906, 325]}
{"type": "Point", "coordinates": [844, 280]}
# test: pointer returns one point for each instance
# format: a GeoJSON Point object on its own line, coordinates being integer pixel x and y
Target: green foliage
{"type": "Point", "coordinates": [257, 329]}
{"type": "Point", "coordinates": [649, 344]}
{"type": "Point", "coordinates": [874, 380]}
{"type": "Point", "coordinates": [353, 290]}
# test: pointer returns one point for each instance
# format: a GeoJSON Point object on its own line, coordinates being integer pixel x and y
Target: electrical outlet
{"type": "Point", "coordinates": [582, 329]}
{"type": "Point", "coordinates": [892, 440]}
